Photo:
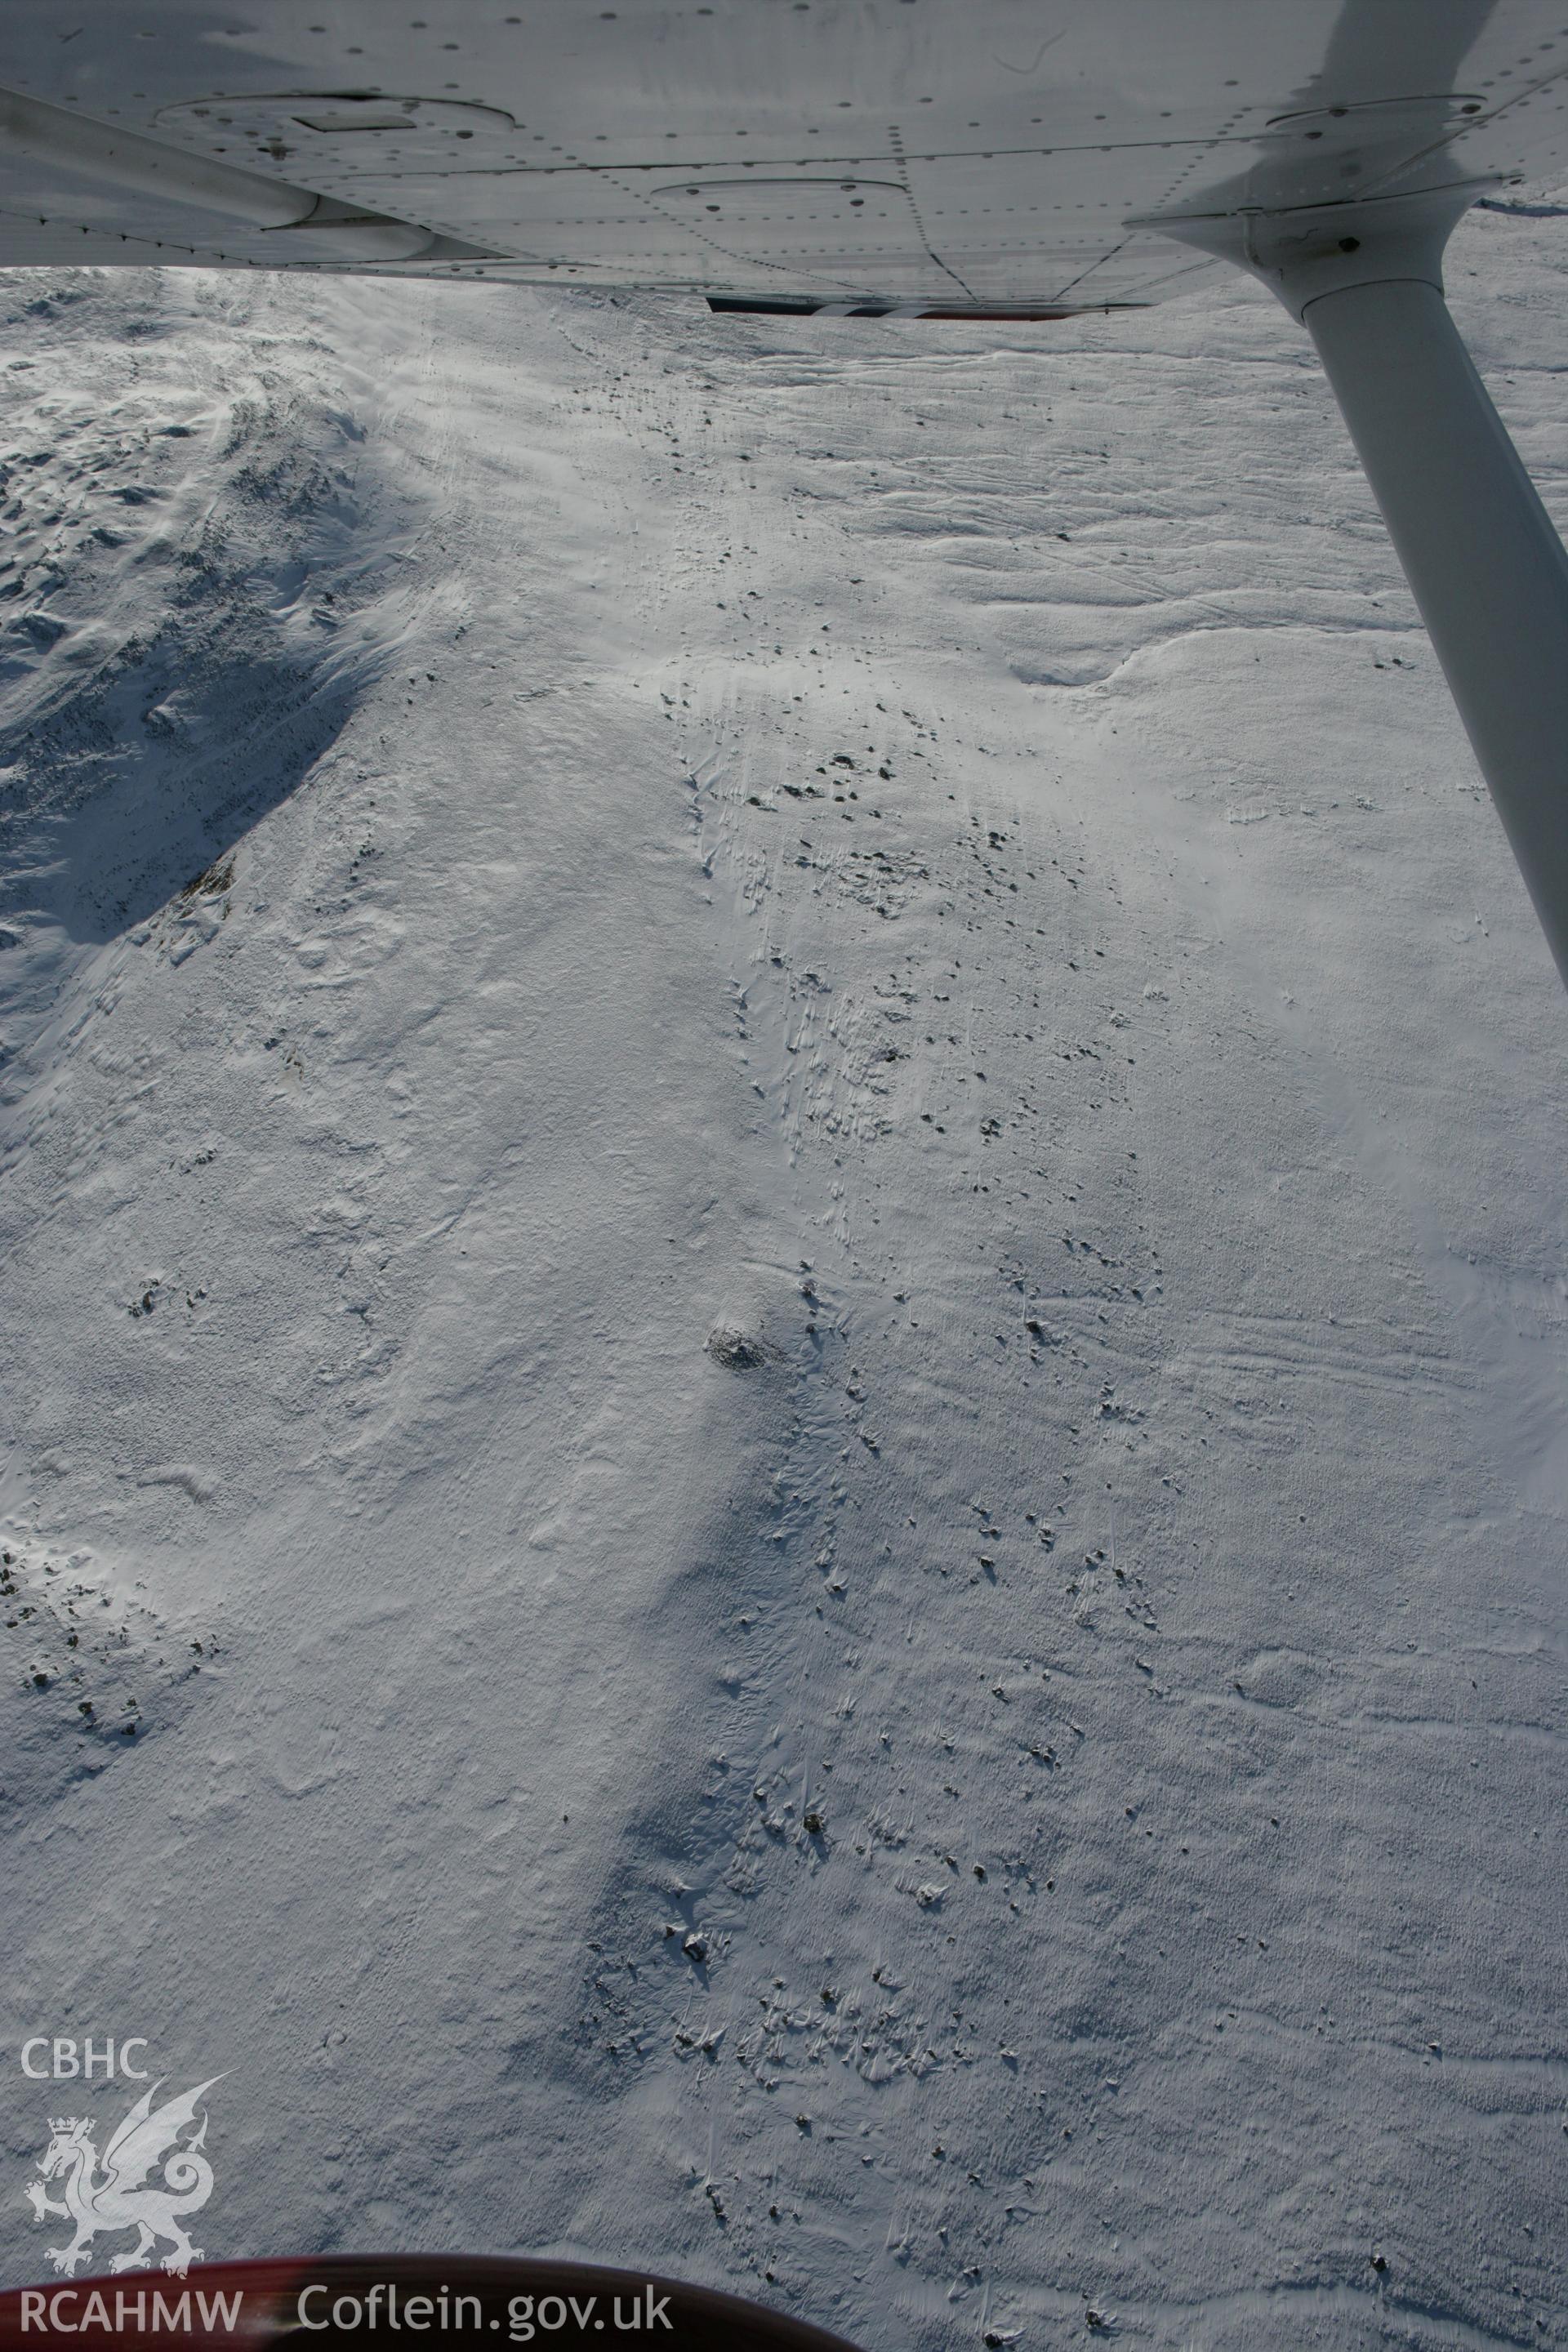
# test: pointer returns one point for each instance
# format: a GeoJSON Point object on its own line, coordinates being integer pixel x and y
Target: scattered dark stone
{"type": "Point", "coordinates": [212, 882]}
{"type": "Point", "coordinates": [737, 1350]}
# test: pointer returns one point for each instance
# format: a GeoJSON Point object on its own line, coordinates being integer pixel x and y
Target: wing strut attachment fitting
{"type": "Point", "coordinates": [1484, 565]}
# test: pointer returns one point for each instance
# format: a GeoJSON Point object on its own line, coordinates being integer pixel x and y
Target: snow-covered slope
{"type": "Point", "coordinates": [784, 1414]}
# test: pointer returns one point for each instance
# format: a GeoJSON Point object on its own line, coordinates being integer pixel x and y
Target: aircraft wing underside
{"type": "Point", "coordinates": [952, 154]}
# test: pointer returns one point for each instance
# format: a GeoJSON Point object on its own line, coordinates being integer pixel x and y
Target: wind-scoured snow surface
{"type": "Point", "coordinates": [786, 1440]}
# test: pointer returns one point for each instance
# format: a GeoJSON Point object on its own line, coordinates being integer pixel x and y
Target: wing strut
{"type": "Point", "coordinates": [1484, 565]}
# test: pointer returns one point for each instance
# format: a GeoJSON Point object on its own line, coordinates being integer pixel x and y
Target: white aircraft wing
{"type": "Point", "coordinates": [960, 153]}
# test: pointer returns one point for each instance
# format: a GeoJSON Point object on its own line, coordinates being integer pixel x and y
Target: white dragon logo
{"type": "Point", "coordinates": [120, 2198]}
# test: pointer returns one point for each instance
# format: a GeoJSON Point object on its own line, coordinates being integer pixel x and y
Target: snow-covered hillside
{"type": "Point", "coordinates": [786, 1429]}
